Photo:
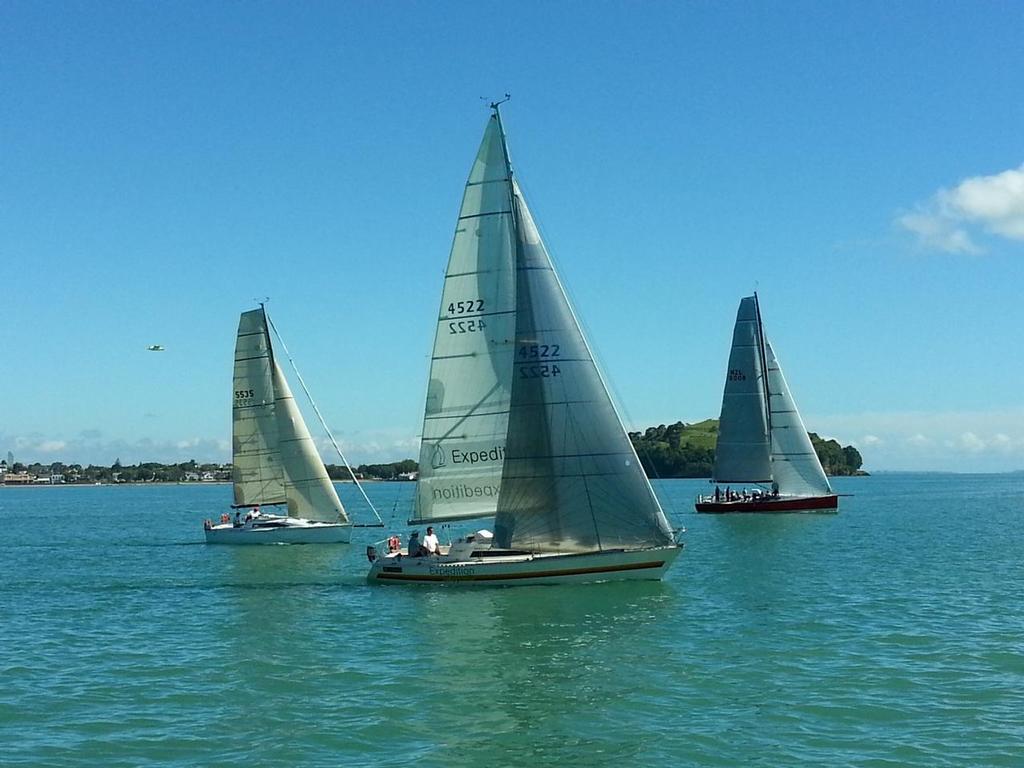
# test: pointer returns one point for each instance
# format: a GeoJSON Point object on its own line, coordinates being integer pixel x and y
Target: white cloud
{"type": "Point", "coordinates": [869, 441]}
{"type": "Point", "coordinates": [971, 442]}
{"type": "Point", "coordinates": [990, 204]}
{"type": "Point", "coordinates": [955, 441]}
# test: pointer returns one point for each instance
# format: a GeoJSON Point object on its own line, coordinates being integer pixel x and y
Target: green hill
{"type": "Point", "coordinates": [688, 450]}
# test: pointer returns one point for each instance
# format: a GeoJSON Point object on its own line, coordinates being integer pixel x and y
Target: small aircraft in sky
{"type": "Point", "coordinates": [155, 348]}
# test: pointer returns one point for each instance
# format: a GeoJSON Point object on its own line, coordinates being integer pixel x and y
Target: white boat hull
{"type": "Point", "coordinates": [289, 531]}
{"type": "Point", "coordinates": [500, 569]}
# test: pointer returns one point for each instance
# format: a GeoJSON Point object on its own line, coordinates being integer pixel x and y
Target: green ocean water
{"type": "Point", "coordinates": [891, 634]}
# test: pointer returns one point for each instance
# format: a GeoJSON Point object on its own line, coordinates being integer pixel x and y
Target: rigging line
{"type": "Point", "coordinates": [323, 423]}
{"type": "Point", "coordinates": [461, 420]}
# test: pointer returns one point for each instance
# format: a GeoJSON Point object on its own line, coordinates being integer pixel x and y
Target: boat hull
{"type": "Point", "coordinates": [829, 503]}
{"type": "Point", "coordinates": [535, 568]}
{"type": "Point", "coordinates": [310, 533]}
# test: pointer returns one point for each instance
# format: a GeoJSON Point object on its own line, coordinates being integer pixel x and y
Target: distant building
{"type": "Point", "coordinates": [192, 477]}
{"type": "Point", "coordinates": [408, 475]}
{"type": "Point", "coordinates": [57, 479]}
{"type": "Point", "coordinates": [18, 478]}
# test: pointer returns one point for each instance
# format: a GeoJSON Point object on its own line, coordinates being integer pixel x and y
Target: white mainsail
{"type": "Point", "coordinates": [274, 458]}
{"type": "Point", "coordinates": [466, 414]}
{"type": "Point", "coordinates": [572, 481]}
{"type": "Point", "coordinates": [307, 488]}
{"type": "Point", "coordinates": [744, 443]}
{"type": "Point", "coordinates": [256, 466]}
{"type": "Point", "coordinates": [795, 464]}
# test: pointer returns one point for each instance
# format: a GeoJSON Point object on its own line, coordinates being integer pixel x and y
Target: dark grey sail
{"type": "Point", "coordinates": [571, 481]}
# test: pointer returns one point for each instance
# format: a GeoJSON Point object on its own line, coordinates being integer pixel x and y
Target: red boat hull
{"type": "Point", "coordinates": [768, 504]}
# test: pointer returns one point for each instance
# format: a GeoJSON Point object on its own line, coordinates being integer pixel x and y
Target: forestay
{"type": "Point", "coordinates": [795, 464]}
{"type": "Point", "coordinates": [256, 468]}
{"type": "Point", "coordinates": [743, 448]}
{"type": "Point", "coordinates": [572, 481]}
{"type": "Point", "coordinates": [466, 413]}
{"type": "Point", "coordinates": [307, 488]}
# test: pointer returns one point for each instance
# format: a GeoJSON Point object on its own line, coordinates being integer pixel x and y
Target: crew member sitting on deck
{"type": "Point", "coordinates": [238, 520]}
{"type": "Point", "coordinates": [415, 549]}
{"type": "Point", "coordinates": [394, 544]}
{"type": "Point", "coordinates": [430, 542]}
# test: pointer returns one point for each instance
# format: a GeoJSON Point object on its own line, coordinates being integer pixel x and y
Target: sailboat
{"type": "Point", "coordinates": [518, 423]}
{"type": "Point", "coordinates": [761, 437]}
{"type": "Point", "coordinates": [274, 460]}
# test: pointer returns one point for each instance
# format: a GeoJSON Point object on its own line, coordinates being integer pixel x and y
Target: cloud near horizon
{"type": "Point", "coordinates": [952, 219]}
{"type": "Point", "coordinates": [91, 446]}
{"type": "Point", "coordinates": [967, 441]}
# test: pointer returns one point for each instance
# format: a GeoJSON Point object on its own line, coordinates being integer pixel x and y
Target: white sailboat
{"type": "Point", "coordinates": [761, 437]}
{"type": "Point", "coordinates": [518, 423]}
{"type": "Point", "coordinates": [275, 462]}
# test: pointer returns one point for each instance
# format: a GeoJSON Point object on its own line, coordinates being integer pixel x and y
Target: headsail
{"type": "Point", "coordinates": [795, 464]}
{"type": "Point", "coordinates": [572, 481]}
{"type": "Point", "coordinates": [466, 412]}
{"type": "Point", "coordinates": [307, 488]}
{"type": "Point", "coordinates": [743, 448]}
{"type": "Point", "coordinates": [256, 467]}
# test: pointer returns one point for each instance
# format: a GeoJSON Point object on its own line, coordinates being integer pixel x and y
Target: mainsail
{"type": "Point", "coordinates": [256, 466]}
{"type": "Point", "coordinates": [274, 458]}
{"type": "Point", "coordinates": [466, 414]}
{"type": "Point", "coordinates": [795, 464]}
{"type": "Point", "coordinates": [744, 442]}
{"type": "Point", "coordinates": [572, 481]}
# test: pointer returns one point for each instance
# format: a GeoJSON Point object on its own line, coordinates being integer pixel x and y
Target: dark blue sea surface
{"type": "Point", "coordinates": [891, 634]}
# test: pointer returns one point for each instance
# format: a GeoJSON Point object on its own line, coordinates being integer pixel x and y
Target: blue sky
{"type": "Point", "coordinates": [162, 164]}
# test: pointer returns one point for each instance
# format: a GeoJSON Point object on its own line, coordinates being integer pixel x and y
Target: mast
{"type": "Point", "coordinates": [764, 368]}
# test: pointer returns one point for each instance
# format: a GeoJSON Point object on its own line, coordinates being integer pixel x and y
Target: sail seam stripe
{"type": "Point", "coordinates": [463, 415]}
{"type": "Point", "coordinates": [482, 215]}
{"type": "Point", "coordinates": [264, 356]}
{"type": "Point", "coordinates": [255, 405]}
{"type": "Point", "coordinates": [485, 181]}
{"type": "Point", "coordinates": [467, 274]}
{"type": "Point", "coordinates": [478, 314]}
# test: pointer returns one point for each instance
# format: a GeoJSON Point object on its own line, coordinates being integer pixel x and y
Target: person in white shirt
{"type": "Point", "coordinates": [430, 542]}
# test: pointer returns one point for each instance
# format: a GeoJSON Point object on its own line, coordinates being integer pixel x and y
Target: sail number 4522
{"type": "Point", "coordinates": [541, 353]}
{"type": "Point", "coordinates": [469, 306]}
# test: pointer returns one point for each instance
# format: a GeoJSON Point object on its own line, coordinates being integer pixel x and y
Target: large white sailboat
{"type": "Point", "coordinates": [761, 438]}
{"type": "Point", "coordinates": [275, 462]}
{"type": "Point", "coordinates": [518, 423]}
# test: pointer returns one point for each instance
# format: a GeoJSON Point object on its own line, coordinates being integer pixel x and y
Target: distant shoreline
{"type": "Point", "coordinates": [168, 482]}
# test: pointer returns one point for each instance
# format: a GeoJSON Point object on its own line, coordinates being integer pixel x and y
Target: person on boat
{"type": "Point", "coordinates": [414, 549]}
{"type": "Point", "coordinates": [238, 520]}
{"type": "Point", "coordinates": [718, 494]}
{"type": "Point", "coordinates": [394, 543]}
{"type": "Point", "coordinates": [430, 542]}
{"type": "Point", "coordinates": [775, 489]}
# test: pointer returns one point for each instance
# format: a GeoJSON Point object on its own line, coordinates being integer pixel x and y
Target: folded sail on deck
{"type": "Point", "coordinates": [466, 414]}
{"type": "Point", "coordinates": [744, 444]}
